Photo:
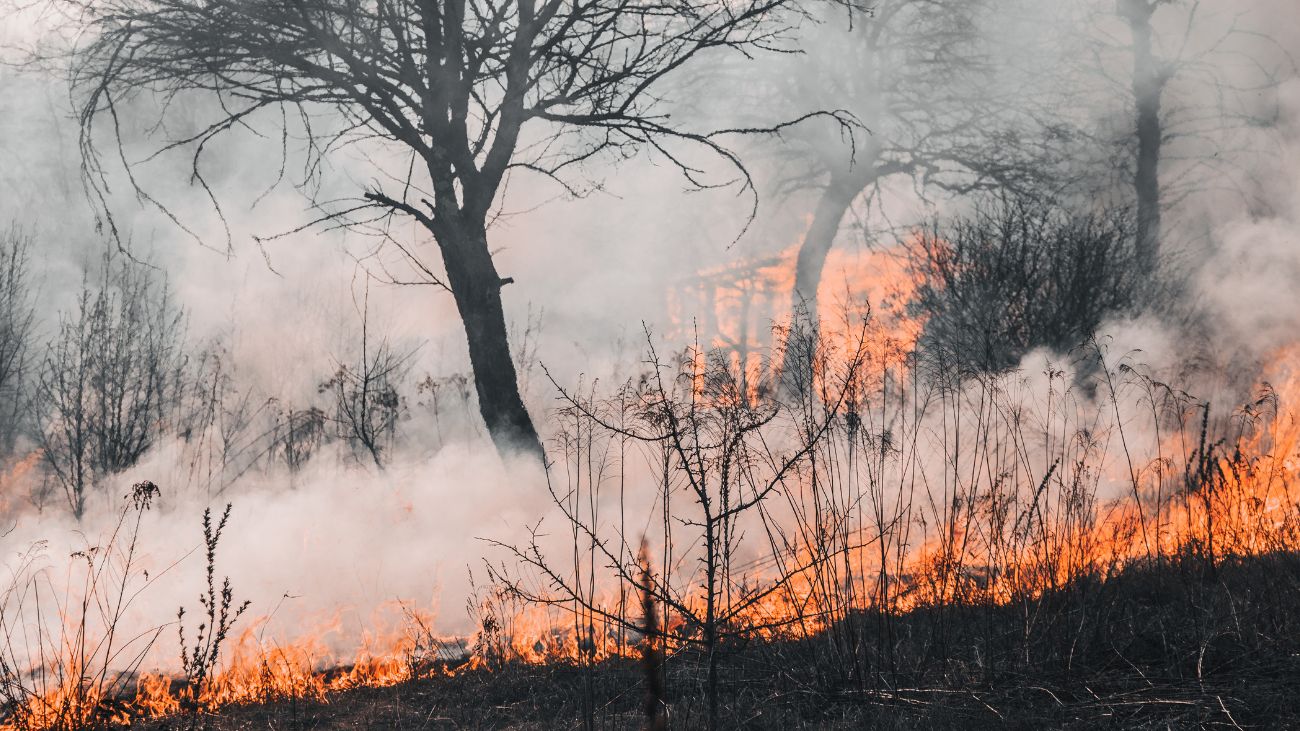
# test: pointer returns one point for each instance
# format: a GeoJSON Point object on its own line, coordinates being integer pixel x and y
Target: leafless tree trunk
{"type": "Point", "coordinates": [471, 91]}
{"type": "Point", "coordinates": [1201, 83]}
{"type": "Point", "coordinates": [835, 201]}
{"type": "Point", "coordinates": [917, 74]}
{"type": "Point", "coordinates": [477, 288]}
{"type": "Point", "coordinates": [1149, 81]}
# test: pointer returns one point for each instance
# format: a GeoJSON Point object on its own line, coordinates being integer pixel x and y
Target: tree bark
{"type": "Point", "coordinates": [476, 287]}
{"type": "Point", "coordinates": [1148, 86]}
{"type": "Point", "coordinates": [811, 260]}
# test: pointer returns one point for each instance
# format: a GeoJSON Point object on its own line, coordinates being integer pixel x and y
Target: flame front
{"type": "Point", "coordinates": [960, 494]}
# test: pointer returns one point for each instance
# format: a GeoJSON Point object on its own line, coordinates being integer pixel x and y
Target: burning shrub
{"type": "Point", "coordinates": [1017, 274]}
{"type": "Point", "coordinates": [722, 457]}
{"type": "Point", "coordinates": [199, 659]}
{"type": "Point", "coordinates": [73, 668]}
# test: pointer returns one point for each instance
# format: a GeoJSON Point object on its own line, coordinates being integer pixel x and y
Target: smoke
{"type": "Point", "coordinates": [340, 536]}
{"type": "Point", "coordinates": [335, 550]}
{"type": "Point", "coordinates": [1247, 282]}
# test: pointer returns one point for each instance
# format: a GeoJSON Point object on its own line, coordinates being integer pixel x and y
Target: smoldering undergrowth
{"type": "Point", "coordinates": [884, 490]}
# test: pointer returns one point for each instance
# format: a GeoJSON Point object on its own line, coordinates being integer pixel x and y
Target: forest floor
{"type": "Point", "coordinates": [1174, 645]}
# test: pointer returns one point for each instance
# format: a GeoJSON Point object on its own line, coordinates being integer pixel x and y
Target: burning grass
{"type": "Point", "coordinates": [884, 532]}
{"type": "Point", "coordinates": [1158, 645]}
{"type": "Point", "coordinates": [1155, 600]}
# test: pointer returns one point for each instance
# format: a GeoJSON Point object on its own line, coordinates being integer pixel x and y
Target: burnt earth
{"type": "Point", "coordinates": [1176, 644]}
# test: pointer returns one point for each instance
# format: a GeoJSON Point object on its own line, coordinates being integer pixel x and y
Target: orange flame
{"type": "Point", "coordinates": [736, 309]}
{"type": "Point", "coordinates": [1217, 499]}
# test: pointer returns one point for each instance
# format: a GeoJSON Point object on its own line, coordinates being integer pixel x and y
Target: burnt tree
{"type": "Point", "coordinates": [470, 90]}
{"type": "Point", "coordinates": [1149, 80]}
{"type": "Point", "coordinates": [920, 77]}
{"type": "Point", "coordinates": [107, 387]}
{"type": "Point", "coordinates": [1200, 85]}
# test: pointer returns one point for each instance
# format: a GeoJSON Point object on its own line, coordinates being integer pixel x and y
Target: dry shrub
{"type": "Point", "coordinates": [1021, 273]}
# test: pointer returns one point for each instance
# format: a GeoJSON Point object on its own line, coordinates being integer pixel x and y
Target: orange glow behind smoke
{"type": "Point", "coordinates": [14, 476]}
{"type": "Point", "coordinates": [739, 309]}
{"type": "Point", "coordinates": [1245, 499]}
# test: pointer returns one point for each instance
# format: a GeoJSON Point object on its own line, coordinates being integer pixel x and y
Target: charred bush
{"type": "Point", "coordinates": [1017, 274]}
{"type": "Point", "coordinates": [17, 320]}
{"type": "Point", "coordinates": [366, 402]}
{"type": "Point", "coordinates": [218, 615]}
{"type": "Point", "coordinates": [296, 435]}
{"type": "Point", "coordinates": [111, 377]}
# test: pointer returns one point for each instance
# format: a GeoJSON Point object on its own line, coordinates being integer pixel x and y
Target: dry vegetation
{"type": "Point", "coordinates": [961, 511]}
{"type": "Point", "coordinates": [894, 542]}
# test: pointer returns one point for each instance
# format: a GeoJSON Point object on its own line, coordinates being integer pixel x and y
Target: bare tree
{"type": "Point", "coordinates": [721, 466]}
{"type": "Point", "coordinates": [920, 76]}
{"type": "Point", "coordinates": [17, 319]}
{"type": "Point", "coordinates": [470, 91]}
{"type": "Point", "coordinates": [1194, 79]}
{"type": "Point", "coordinates": [110, 378]}
{"type": "Point", "coordinates": [1149, 80]}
